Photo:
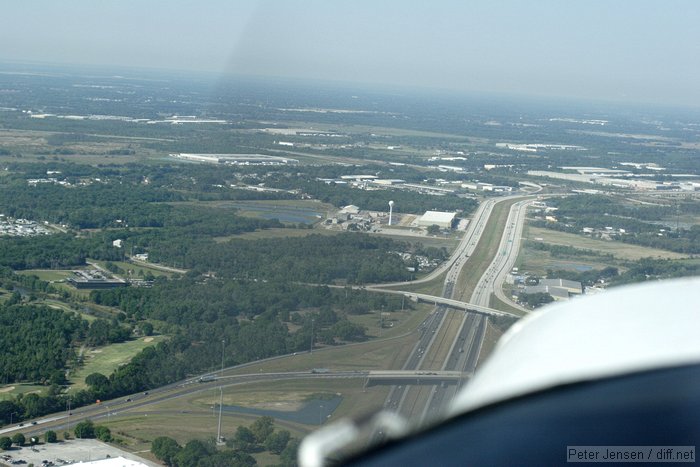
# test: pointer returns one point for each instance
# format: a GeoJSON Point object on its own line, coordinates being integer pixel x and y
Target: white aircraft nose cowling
{"type": "Point", "coordinates": [624, 330]}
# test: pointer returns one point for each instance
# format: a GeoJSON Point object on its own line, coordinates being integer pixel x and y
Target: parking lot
{"type": "Point", "coordinates": [66, 452]}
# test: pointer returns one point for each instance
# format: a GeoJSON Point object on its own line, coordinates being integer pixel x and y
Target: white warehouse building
{"type": "Point", "coordinates": [441, 219]}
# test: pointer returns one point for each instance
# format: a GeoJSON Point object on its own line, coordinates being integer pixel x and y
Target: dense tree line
{"type": "Point", "coordinates": [37, 342]}
{"type": "Point", "coordinates": [355, 258]}
{"type": "Point", "coordinates": [258, 437]}
{"type": "Point", "coordinates": [636, 271]}
{"type": "Point", "coordinates": [653, 269]}
{"type": "Point", "coordinates": [195, 299]}
{"type": "Point", "coordinates": [56, 251]}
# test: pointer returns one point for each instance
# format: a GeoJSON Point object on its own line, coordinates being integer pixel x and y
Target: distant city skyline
{"type": "Point", "coordinates": [634, 51]}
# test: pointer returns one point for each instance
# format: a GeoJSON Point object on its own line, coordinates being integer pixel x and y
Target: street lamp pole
{"type": "Point", "coordinates": [223, 346]}
{"type": "Point", "coordinates": [311, 349]}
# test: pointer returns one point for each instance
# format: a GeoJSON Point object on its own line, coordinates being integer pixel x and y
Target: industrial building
{"type": "Point", "coordinates": [557, 293]}
{"type": "Point", "coordinates": [573, 287]}
{"type": "Point", "coordinates": [236, 159]}
{"type": "Point", "coordinates": [93, 279]}
{"type": "Point", "coordinates": [441, 219]}
{"type": "Point", "coordinates": [559, 289]}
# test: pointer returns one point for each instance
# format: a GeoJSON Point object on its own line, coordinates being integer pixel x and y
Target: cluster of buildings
{"type": "Point", "coordinates": [621, 178]}
{"type": "Point", "coordinates": [351, 217]}
{"type": "Point", "coordinates": [235, 159]}
{"type": "Point", "coordinates": [439, 187]}
{"type": "Point", "coordinates": [558, 289]}
{"type": "Point", "coordinates": [21, 227]}
{"type": "Point", "coordinates": [55, 181]}
{"type": "Point", "coordinates": [534, 147]}
{"type": "Point", "coordinates": [172, 120]}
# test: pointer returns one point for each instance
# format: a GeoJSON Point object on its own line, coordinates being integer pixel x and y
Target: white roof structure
{"type": "Point", "coordinates": [111, 462]}
{"type": "Point", "coordinates": [350, 209]}
{"type": "Point", "coordinates": [572, 286]}
{"type": "Point", "coordinates": [441, 219]}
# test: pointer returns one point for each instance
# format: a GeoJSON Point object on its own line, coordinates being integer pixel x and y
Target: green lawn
{"type": "Point", "coordinates": [58, 305]}
{"type": "Point", "coordinates": [11, 390]}
{"type": "Point", "coordinates": [48, 275]}
{"type": "Point", "coordinates": [625, 251]}
{"type": "Point", "coordinates": [105, 359]}
{"type": "Point", "coordinates": [379, 354]}
{"type": "Point", "coordinates": [395, 323]}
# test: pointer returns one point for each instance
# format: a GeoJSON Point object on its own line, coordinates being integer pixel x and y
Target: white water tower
{"type": "Point", "coordinates": [391, 210]}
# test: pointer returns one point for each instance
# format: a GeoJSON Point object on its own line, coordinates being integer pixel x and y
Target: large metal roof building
{"type": "Point", "coordinates": [441, 219]}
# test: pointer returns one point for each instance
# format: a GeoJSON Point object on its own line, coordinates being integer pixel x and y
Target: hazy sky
{"type": "Point", "coordinates": [634, 50]}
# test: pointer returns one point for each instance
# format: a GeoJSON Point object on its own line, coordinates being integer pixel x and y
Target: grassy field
{"type": "Point", "coordinates": [276, 233]}
{"type": "Point", "coordinates": [105, 359]}
{"type": "Point", "coordinates": [493, 334]}
{"type": "Point", "coordinates": [288, 210]}
{"type": "Point", "coordinates": [620, 250]}
{"type": "Point", "coordinates": [57, 278]}
{"type": "Point", "coordinates": [48, 275]}
{"type": "Point", "coordinates": [379, 354]}
{"type": "Point", "coordinates": [191, 417]}
{"type": "Point", "coordinates": [449, 243]}
{"type": "Point", "coordinates": [395, 323]}
{"type": "Point", "coordinates": [58, 305]}
{"type": "Point", "coordinates": [433, 287]}
{"type": "Point", "coordinates": [11, 390]}
{"type": "Point", "coordinates": [498, 304]}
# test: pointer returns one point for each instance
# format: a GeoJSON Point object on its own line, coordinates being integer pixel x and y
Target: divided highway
{"type": "Point", "coordinates": [463, 333]}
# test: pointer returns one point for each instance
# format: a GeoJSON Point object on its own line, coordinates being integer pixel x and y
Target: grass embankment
{"type": "Point", "coordinates": [493, 334]}
{"type": "Point", "coordinates": [395, 323]}
{"type": "Point", "coordinates": [498, 304]}
{"type": "Point", "coordinates": [379, 354]}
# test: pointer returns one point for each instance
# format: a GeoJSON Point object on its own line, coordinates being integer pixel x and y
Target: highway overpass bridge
{"type": "Point", "coordinates": [417, 377]}
{"type": "Point", "coordinates": [421, 297]}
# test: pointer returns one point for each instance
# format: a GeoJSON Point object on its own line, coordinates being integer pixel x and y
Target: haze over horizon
{"type": "Point", "coordinates": [632, 51]}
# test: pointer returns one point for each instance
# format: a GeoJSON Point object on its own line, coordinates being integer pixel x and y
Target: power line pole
{"type": "Point", "coordinates": [221, 404]}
